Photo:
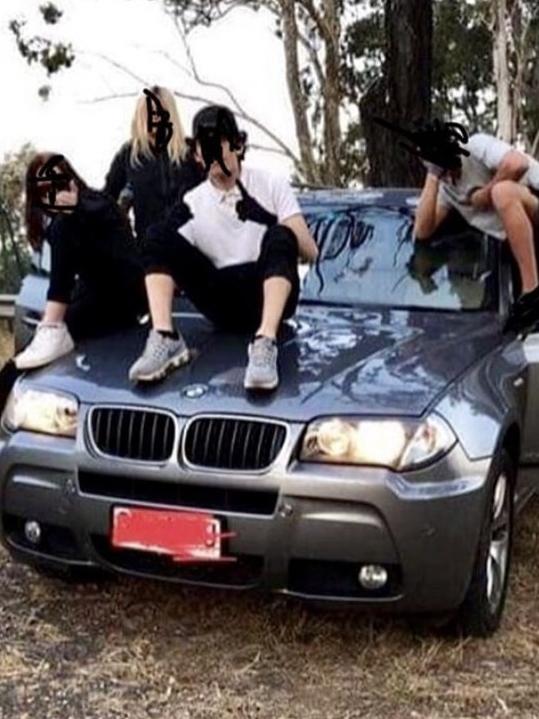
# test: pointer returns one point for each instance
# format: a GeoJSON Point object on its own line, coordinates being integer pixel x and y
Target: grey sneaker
{"type": "Point", "coordinates": [261, 371]}
{"type": "Point", "coordinates": [161, 355]}
{"type": "Point", "coordinates": [50, 341]}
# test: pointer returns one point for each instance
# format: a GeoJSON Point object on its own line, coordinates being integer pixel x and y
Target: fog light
{"type": "Point", "coordinates": [32, 531]}
{"type": "Point", "coordinates": [372, 576]}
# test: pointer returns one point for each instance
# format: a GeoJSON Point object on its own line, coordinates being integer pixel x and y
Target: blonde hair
{"type": "Point", "coordinates": [140, 139]}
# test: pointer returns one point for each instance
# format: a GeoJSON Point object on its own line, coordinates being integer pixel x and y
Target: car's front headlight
{"type": "Point", "coordinates": [44, 411]}
{"type": "Point", "coordinates": [397, 444]}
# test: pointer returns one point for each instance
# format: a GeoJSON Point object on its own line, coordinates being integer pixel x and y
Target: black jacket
{"type": "Point", "coordinates": [157, 184]}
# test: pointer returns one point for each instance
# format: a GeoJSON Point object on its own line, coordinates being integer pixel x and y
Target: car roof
{"type": "Point", "coordinates": [311, 198]}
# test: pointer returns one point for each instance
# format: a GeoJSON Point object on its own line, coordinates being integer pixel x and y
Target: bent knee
{"type": "Point", "coordinates": [505, 193]}
{"type": "Point", "coordinates": [281, 237]}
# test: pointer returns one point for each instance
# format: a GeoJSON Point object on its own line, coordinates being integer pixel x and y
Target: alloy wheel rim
{"type": "Point", "coordinates": [498, 553]}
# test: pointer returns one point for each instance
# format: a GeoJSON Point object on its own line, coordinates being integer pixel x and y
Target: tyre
{"type": "Point", "coordinates": [481, 611]}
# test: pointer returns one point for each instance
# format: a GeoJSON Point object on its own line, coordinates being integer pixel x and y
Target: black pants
{"type": "Point", "coordinates": [109, 294]}
{"type": "Point", "coordinates": [94, 310]}
{"type": "Point", "coordinates": [112, 271]}
{"type": "Point", "coordinates": [231, 297]}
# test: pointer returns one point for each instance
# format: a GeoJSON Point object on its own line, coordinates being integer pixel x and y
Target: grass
{"type": "Point", "coordinates": [141, 649]}
{"type": "Point", "coordinates": [6, 344]}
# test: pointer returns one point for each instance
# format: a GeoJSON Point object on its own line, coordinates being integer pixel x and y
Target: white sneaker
{"type": "Point", "coordinates": [50, 341]}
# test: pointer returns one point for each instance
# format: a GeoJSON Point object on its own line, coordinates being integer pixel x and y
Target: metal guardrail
{"type": "Point", "coordinates": [7, 307]}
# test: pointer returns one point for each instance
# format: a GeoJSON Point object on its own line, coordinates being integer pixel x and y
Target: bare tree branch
{"type": "Point", "coordinates": [240, 110]}
{"type": "Point", "coordinates": [266, 148]}
{"type": "Point", "coordinates": [174, 62]}
{"type": "Point", "coordinates": [180, 28]}
{"type": "Point", "coordinates": [118, 66]}
{"type": "Point", "coordinates": [284, 148]}
{"type": "Point", "coordinates": [106, 98]}
{"type": "Point", "coordinates": [317, 18]}
{"type": "Point", "coordinates": [204, 9]}
{"type": "Point", "coordinates": [194, 98]}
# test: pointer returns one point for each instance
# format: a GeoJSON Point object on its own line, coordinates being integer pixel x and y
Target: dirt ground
{"type": "Point", "coordinates": [140, 649]}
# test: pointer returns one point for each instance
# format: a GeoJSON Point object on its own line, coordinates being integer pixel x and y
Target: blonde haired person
{"type": "Point", "coordinates": [146, 176]}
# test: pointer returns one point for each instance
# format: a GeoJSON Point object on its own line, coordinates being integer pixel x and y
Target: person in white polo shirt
{"type": "Point", "coordinates": [495, 189]}
{"type": "Point", "coordinates": [232, 245]}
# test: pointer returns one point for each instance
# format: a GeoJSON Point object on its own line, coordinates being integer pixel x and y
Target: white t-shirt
{"type": "Point", "coordinates": [215, 228]}
{"type": "Point", "coordinates": [486, 153]}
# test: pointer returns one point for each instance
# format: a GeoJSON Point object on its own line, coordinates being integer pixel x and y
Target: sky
{"type": "Point", "coordinates": [240, 52]}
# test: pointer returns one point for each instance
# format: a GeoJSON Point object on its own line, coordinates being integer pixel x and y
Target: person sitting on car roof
{"type": "Point", "coordinates": [232, 245]}
{"type": "Point", "coordinates": [495, 188]}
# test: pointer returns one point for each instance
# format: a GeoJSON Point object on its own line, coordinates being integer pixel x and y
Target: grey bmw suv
{"type": "Point", "coordinates": [382, 473]}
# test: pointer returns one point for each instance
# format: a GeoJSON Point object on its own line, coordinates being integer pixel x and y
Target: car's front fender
{"type": "Point", "coordinates": [487, 400]}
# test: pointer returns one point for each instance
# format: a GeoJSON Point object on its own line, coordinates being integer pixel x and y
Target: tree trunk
{"type": "Point", "coordinates": [299, 103]}
{"type": "Point", "coordinates": [374, 104]}
{"type": "Point", "coordinates": [332, 94]}
{"type": "Point", "coordinates": [504, 100]}
{"type": "Point", "coordinates": [407, 85]}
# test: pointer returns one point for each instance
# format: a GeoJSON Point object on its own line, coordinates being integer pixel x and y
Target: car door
{"type": "Point", "coordinates": [530, 438]}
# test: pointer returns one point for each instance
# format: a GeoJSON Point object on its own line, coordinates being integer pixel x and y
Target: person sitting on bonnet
{"type": "Point", "coordinates": [96, 283]}
{"type": "Point", "coordinates": [496, 190]}
{"type": "Point", "coordinates": [232, 246]}
{"type": "Point", "coordinates": [150, 178]}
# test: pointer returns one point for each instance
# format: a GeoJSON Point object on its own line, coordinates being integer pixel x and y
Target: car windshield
{"type": "Point", "coordinates": [368, 257]}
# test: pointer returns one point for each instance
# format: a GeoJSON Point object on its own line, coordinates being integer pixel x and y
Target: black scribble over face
{"type": "Point", "coordinates": [436, 142]}
{"type": "Point", "coordinates": [159, 126]}
{"type": "Point", "coordinates": [50, 179]}
{"type": "Point", "coordinates": [210, 147]}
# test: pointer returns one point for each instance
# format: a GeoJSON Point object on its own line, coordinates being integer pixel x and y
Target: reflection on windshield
{"type": "Point", "coordinates": [368, 256]}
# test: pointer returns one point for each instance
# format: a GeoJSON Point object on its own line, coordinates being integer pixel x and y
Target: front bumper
{"type": "Point", "coordinates": [301, 529]}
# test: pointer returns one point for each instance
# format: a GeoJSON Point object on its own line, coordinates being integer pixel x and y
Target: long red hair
{"type": "Point", "coordinates": [34, 213]}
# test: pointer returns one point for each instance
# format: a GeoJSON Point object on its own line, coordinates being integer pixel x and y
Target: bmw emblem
{"type": "Point", "coordinates": [195, 391]}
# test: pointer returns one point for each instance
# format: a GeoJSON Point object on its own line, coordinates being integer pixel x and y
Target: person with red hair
{"type": "Point", "coordinates": [96, 279]}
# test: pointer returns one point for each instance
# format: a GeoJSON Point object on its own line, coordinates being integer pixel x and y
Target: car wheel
{"type": "Point", "coordinates": [481, 612]}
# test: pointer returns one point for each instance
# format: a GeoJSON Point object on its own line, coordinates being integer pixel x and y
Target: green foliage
{"type": "Point", "coordinates": [463, 86]}
{"type": "Point", "coordinates": [205, 12]}
{"type": "Point", "coordinates": [51, 14]}
{"type": "Point", "coordinates": [462, 58]}
{"type": "Point", "coordinates": [52, 56]}
{"type": "Point", "coordinates": [362, 58]}
{"type": "Point", "coordinates": [362, 49]}
{"type": "Point", "coordinates": [14, 252]}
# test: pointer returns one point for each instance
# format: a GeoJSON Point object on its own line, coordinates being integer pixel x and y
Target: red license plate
{"type": "Point", "coordinates": [184, 536]}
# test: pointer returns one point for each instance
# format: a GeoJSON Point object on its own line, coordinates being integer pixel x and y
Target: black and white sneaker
{"type": "Point", "coordinates": [161, 355]}
{"type": "Point", "coordinates": [261, 372]}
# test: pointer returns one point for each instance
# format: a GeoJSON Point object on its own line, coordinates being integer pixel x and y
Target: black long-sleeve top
{"type": "Point", "coordinates": [95, 243]}
{"type": "Point", "coordinates": [156, 183]}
